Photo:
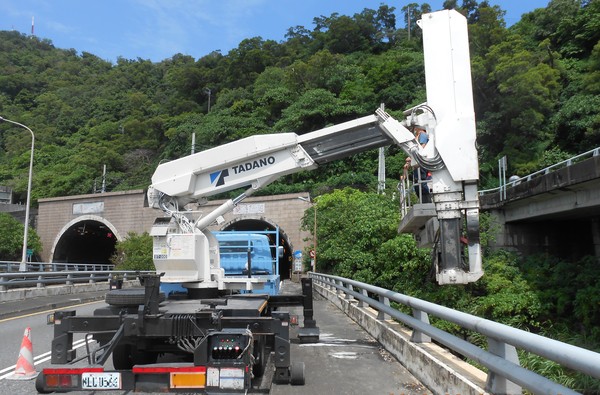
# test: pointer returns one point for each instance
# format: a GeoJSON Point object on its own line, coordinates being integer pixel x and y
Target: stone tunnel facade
{"type": "Point", "coordinates": [115, 214]}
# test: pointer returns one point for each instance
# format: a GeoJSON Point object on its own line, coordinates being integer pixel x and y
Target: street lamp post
{"type": "Point", "coordinates": [314, 204]}
{"type": "Point", "coordinates": [23, 265]}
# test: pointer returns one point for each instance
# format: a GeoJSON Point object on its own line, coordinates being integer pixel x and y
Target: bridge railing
{"type": "Point", "coordinates": [12, 266]}
{"type": "Point", "coordinates": [544, 171]}
{"type": "Point", "coordinates": [505, 375]}
{"type": "Point", "coordinates": [41, 279]}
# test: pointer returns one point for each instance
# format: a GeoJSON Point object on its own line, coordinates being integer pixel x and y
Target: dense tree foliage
{"type": "Point", "coordinates": [357, 238]}
{"type": "Point", "coordinates": [536, 84]}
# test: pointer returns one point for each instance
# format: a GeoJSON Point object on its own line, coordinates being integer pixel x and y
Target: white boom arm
{"type": "Point", "coordinates": [183, 248]}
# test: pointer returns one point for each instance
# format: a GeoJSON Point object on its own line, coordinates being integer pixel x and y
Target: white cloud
{"type": "Point", "coordinates": [201, 26]}
{"type": "Point", "coordinates": [54, 26]}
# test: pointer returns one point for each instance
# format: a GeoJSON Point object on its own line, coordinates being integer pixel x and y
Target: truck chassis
{"type": "Point", "coordinates": [215, 345]}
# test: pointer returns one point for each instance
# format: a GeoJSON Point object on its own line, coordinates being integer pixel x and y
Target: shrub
{"type": "Point", "coordinates": [134, 253]}
{"type": "Point", "coordinates": [11, 239]}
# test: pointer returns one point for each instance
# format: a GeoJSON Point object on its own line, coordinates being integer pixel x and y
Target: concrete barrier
{"type": "Point", "coordinates": [13, 295]}
{"type": "Point", "coordinates": [436, 368]}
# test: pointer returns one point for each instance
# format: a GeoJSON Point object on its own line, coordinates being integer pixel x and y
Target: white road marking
{"type": "Point", "coordinates": [344, 355]}
{"type": "Point", "coordinates": [38, 359]}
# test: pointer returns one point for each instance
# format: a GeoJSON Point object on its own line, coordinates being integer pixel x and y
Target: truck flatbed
{"type": "Point", "coordinates": [246, 305]}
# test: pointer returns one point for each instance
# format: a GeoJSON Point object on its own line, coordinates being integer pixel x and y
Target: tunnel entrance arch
{"type": "Point", "coordinates": [85, 239]}
{"type": "Point", "coordinates": [262, 224]}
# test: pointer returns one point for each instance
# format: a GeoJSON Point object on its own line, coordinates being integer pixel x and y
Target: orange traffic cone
{"type": "Point", "coordinates": [24, 370]}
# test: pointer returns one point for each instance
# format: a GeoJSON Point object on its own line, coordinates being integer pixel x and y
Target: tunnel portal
{"type": "Point", "coordinates": [85, 241]}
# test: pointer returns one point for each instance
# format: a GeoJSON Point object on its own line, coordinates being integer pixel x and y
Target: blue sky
{"type": "Point", "coordinates": [159, 29]}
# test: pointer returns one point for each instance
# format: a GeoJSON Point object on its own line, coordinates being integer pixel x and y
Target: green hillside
{"type": "Point", "coordinates": [536, 88]}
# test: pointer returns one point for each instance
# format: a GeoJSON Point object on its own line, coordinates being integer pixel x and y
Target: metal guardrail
{"type": "Point", "coordinates": [41, 279]}
{"type": "Point", "coordinates": [544, 171]}
{"type": "Point", "coordinates": [505, 375]}
{"type": "Point", "coordinates": [13, 266]}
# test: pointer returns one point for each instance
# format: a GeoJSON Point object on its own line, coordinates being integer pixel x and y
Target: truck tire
{"type": "Point", "coordinates": [297, 373]}
{"type": "Point", "coordinates": [128, 297]}
{"type": "Point", "coordinates": [260, 356]}
{"type": "Point", "coordinates": [125, 356]}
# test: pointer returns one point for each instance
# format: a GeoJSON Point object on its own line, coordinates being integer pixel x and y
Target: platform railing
{"type": "Point", "coordinates": [505, 375]}
{"type": "Point", "coordinates": [565, 163]}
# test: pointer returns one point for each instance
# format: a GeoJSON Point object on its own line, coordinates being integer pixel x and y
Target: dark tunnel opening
{"type": "Point", "coordinates": [86, 242]}
{"type": "Point", "coordinates": [249, 225]}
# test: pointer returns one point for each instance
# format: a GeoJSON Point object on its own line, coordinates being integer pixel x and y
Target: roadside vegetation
{"type": "Point", "coordinates": [11, 239]}
{"type": "Point", "coordinates": [134, 253]}
{"type": "Point", "coordinates": [357, 238]}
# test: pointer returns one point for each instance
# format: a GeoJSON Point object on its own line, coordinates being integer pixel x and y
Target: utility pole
{"type": "Point", "coordinates": [208, 92]}
{"type": "Point", "coordinates": [381, 167]}
{"type": "Point", "coordinates": [408, 19]}
{"type": "Point", "coordinates": [104, 179]}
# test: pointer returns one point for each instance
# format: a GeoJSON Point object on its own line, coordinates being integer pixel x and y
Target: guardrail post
{"type": "Point", "coordinates": [323, 280]}
{"type": "Point", "coordinates": [2, 287]}
{"type": "Point", "coordinates": [418, 336]}
{"type": "Point", "coordinates": [337, 290]}
{"type": "Point", "coordinates": [69, 279]}
{"type": "Point", "coordinates": [40, 284]}
{"type": "Point", "coordinates": [92, 280]}
{"type": "Point", "coordinates": [348, 296]}
{"type": "Point", "coordinates": [330, 285]}
{"type": "Point", "coordinates": [495, 383]}
{"type": "Point", "coordinates": [360, 301]}
{"type": "Point", "coordinates": [381, 316]}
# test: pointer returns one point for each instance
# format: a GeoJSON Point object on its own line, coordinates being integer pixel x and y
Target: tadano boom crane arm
{"type": "Point", "coordinates": [261, 159]}
{"type": "Point", "coordinates": [256, 161]}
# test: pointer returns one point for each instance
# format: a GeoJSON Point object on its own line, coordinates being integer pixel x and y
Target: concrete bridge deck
{"type": "Point", "coordinates": [346, 360]}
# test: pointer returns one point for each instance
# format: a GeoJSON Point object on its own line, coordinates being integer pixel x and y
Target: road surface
{"type": "Point", "coordinates": [346, 360]}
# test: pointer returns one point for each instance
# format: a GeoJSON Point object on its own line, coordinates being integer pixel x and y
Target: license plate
{"type": "Point", "coordinates": [101, 381]}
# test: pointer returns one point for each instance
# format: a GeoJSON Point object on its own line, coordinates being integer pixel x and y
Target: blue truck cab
{"type": "Point", "coordinates": [233, 251]}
